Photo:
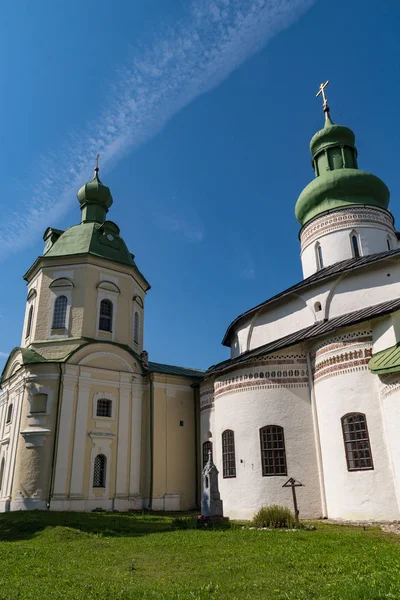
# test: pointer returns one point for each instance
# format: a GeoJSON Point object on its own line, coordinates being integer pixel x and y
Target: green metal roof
{"type": "Point", "coordinates": [173, 370]}
{"type": "Point", "coordinates": [386, 361]}
{"type": "Point", "coordinates": [91, 238]}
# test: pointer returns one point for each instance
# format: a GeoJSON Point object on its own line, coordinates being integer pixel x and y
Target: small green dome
{"type": "Point", "coordinates": [95, 200]}
{"type": "Point", "coordinates": [95, 192]}
{"type": "Point", "coordinates": [331, 135]}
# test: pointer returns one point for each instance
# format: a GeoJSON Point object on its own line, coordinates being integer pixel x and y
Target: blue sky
{"type": "Point", "coordinates": [202, 111]}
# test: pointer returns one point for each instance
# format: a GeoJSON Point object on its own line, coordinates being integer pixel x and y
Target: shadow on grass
{"type": "Point", "coordinates": [23, 525]}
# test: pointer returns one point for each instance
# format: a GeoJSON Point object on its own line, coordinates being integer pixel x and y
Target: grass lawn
{"type": "Point", "coordinates": [121, 556]}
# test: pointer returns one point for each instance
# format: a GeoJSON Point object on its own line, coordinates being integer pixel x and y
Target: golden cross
{"type": "Point", "coordinates": [322, 91]}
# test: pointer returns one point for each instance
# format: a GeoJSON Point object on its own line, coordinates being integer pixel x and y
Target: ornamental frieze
{"type": "Point", "coordinates": [327, 224]}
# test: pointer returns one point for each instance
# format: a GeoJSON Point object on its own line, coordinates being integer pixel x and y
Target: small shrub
{"type": "Point", "coordinates": [274, 516]}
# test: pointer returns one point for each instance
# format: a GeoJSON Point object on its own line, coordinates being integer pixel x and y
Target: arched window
{"type": "Point", "coordinates": [2, 472]}
{"type": "Point", "coordinates": [60, 312]}
{"type": "Point", "coordinates": [273, 454]}
{"type": "Point", "coordinates": [106, 314]}
{"type": "Point", "coordinates": [389, 245]}
{"type": "Point", "coordinates": [9, 413]}
{"type": "Point", "coordinates": [228, 454]}
{"type": "Point", "coordinates": [356, 442]}
{"type": "Point", "coordinates": [355, 246]}
{"type": "Point", "coordinates": [99, 471]}
{"type": "Point", "coordinates": [207, 447]}
{"type": "Point", "coordinates": [319, 257]}
{"type": "Point", "coordinates": [29, 324]}
{"type": "Point", "coordinates": [39, 403]}
{"type": "Point", "coordinates": [104, 408]}
{"type": "Point", "coordinates": [136, 328]}
{"type": "Point", "coordinates": [317, 307]}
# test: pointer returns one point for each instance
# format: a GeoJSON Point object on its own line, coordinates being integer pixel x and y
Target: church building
{"type": "Point", "coordinates": [311, 390]}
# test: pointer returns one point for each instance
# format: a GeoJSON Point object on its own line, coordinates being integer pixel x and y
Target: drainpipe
{"type": "Point", "coordinates": [317, 437]}
{"type": "Point", "coordinates": [196, 389]}
{"type": "Point", "coordinates": [150, 506]}
{"type": "Point", "coordinates": [56, 428]}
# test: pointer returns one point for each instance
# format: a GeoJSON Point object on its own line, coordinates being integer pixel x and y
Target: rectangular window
{"type": "Point", "coordinates": [273, 454]}
{"type": "Point", "coordinates": [104, 408]}
{"type": "Point", "coordinates": [228, 454]}
{"type": "Point", "coordinates": [356, 442]}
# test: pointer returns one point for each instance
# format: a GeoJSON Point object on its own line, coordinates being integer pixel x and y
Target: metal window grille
{"type": "Point", "coordinates": [228, 454]}
{"type": "Point", "coordinates": [9, 413]}
{"type": "Point", "coordinates": [106, 313]}
{"type": "Point", "coordinates": [356, 442]}
{"type": "Point", "coordinates": [99, 471]}
{"type": "Point", "coordinates": [104, 408]}
{"type": "Point", "coordinates": [356, 249]}
{"type": "Point", "coordinates": [136, 329]}
{"type": "Point", "coordinates": [207, 447]}
{"type": "Point", "coordinates": [60, 312]}
{"type": "Point", "coordinates": [273, 454]}
{"type": "Point", "coordinates": [29, 324]}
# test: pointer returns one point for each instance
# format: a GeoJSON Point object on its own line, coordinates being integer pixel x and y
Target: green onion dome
{"type": "Point", "coordinates": [95, 200]}
{"type": "Point", "coordinates": [338, 181]}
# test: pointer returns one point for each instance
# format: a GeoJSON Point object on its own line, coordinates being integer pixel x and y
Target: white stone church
{"type": "Point", "coordinates": [311, 389]}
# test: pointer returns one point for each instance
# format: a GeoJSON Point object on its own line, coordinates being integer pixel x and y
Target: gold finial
{"type": "Point", "coordinates": [96, 169]}
{"type": "Point", "coordinates": [324, 98]}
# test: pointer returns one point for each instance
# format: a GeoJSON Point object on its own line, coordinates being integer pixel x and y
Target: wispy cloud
{"type": "Point", "coordinates": [190, 231]}
{"type": "Point", "coordinates": [189, 59]}
{"type": "Point", "coordinates": [4, 354]}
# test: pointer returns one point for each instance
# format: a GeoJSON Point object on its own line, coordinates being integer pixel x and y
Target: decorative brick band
{"type": "Point", "coordinates": [349, 219]}
{"type": "Point", "coordinates": [342, 345]}
{"type": "Point", "coordinates": [356, 360]}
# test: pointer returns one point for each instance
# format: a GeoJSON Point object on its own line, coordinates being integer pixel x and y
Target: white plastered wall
{"type": "Point", "coordinates": [343, 384]}
{"type": "Point", "coordinates": [372, 227]}
{"type": "Point", "coordinates": [246, 406]}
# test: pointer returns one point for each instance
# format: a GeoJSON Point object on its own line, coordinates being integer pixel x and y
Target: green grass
{"type": "Point", "coordinates": [118, 556]}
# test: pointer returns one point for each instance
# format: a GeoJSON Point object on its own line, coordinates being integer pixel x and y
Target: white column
{"type": "Point", "coordinates": [123, 436]}
{"type": "Point", "coordinates": [136, 439]}
{"type": "Point", "coordinates": [65, 432]}
{"type": "Point", "coordinates": [80, 439]}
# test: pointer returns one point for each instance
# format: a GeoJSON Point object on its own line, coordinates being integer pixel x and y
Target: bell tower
{"type": "Point", "coordinates": [343, 212]}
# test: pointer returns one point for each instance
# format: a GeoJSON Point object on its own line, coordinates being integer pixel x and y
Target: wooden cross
{"type": "Point", "coordinates": [322, 91]}
{"type": "Point", "coordinates": [293, 483]}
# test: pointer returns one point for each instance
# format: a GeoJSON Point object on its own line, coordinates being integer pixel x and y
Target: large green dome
{"type": "Point", "coordinates": [338, 181]}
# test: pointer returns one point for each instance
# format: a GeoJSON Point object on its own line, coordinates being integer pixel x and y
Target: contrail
{"type": "Point", "coordinates": [189, 59]}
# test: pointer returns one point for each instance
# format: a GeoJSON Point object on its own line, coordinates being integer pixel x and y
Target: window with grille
{"type": "Point", "coordinates": [356, 442]}
{"type": "Point", "coordinates": [9, 413]}
{"type": "Point", "coordinates": [60, 312]}
{"type": "Point", "coordinates": [106, 314]}
{"type": "Point", "coordinates": [99, 471]}
{"type": "Point", "coordinates": [136, 328]}
{"type": "Point", "coordinates": [104, 408]}
{"type": "Point", "coordinates": [228, 454]}
{"type": "Point", "coordinates": [273, 454]}
{"type": "Point", "coordinates": [29, 324]}
{"type": "Point", "coordinates": [207, 447]}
